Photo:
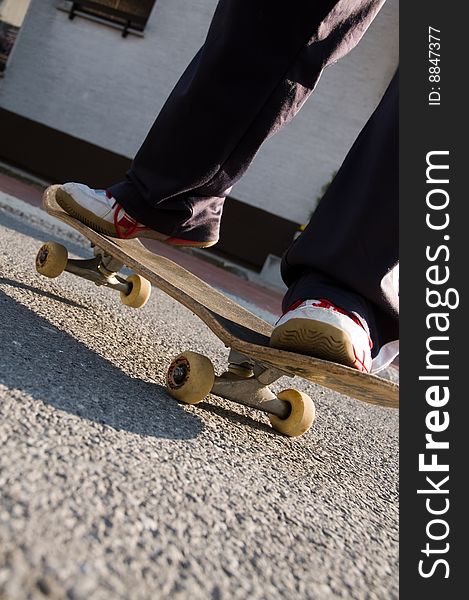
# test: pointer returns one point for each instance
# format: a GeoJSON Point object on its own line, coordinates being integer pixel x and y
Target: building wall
{"type": "Point", "coordinates": [84, 79]}
{"type": "Point", "coordinates": [13, 11]}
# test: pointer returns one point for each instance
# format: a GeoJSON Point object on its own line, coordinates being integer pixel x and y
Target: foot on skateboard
{"type": "Point", "coordinates": [322, 329]}
{"type": "Point", "coordinates": [253, 365]}
{"type": "Point", "coordinates": [100, 211]}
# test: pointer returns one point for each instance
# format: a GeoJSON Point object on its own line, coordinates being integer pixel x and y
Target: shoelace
{"type": "Point", "coordinates": [118, 223]}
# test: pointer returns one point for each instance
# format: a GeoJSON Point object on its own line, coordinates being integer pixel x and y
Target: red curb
{"type": "Point", "coordinates": [19, 189]}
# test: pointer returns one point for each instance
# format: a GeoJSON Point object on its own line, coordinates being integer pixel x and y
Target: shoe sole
{"type": "Point", "coordinates": [103, 227]}
{"type": "Point", "coordinates": [317, 339]}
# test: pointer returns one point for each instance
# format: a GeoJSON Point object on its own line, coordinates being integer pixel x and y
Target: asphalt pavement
{"type": "Point", "coordinates": [110, 489]}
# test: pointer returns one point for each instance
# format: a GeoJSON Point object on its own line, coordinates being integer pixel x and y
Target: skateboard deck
{"type": "Point", "coordinates": [236, 327]}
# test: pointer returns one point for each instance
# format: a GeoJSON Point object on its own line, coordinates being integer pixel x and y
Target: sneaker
{"type": "Point", "coordinates": [99, 210]}
{"type": "Point", "coordinates": [320, 328]}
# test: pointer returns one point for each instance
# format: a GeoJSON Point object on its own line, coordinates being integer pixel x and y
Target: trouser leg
{"type": "Point", "coordinates": [349, 251]}
{"type": "Point", "coordinates": [258, 65]}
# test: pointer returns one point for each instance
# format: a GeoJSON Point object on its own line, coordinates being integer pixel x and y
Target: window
{"type": "Point", "coordinates": [130, 15]}
{"type": "Point", "coordinates": [8, 35]}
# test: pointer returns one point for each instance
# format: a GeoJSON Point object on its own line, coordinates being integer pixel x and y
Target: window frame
{"type": "Point", "coordinates": [96, 11]}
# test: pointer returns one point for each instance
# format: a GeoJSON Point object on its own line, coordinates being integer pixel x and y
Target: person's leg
{"type": "Point", "coordinates": [348, 253]}
{"type": "Point", "coordinates": [257, 67]}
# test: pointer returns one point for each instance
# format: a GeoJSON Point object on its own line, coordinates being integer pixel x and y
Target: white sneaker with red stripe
{"type": "Point", "coordinates": [320, 328]}
{"type": "Point", "coordinates": [100, 211]}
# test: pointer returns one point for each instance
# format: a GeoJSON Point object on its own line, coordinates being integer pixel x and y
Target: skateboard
{"type": "Point", "coordinates": [252, 364]}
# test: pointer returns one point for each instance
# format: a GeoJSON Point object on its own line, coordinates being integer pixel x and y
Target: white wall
{"type": "Point", "coordinates": [83, 78]}
{"type": "Point", "coordinates": [13, 11]}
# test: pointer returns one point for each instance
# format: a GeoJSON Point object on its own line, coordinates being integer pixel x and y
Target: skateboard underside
{"type": "Point", "coordinates": [243, 332]}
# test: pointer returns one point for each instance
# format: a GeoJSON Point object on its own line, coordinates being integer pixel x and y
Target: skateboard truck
{"type": "Point", "coordinates": [52, 260]}
{"type": "Point", "coordinates": [190, 378]}
{"type": "Point", "coordinates": [102, 270]}
{"type": "Point", "coordinates": [246, 382]}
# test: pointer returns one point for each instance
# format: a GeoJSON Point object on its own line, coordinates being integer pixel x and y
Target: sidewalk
{"type": "Point", "coordinates": [267, 300]}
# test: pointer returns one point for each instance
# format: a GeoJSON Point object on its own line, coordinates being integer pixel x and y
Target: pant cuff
{"type": "Point", "coordinates": [193, 218]}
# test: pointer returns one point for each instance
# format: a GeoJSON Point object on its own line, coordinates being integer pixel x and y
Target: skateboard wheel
{"type": "Point", "coordinates": [139, 293]}
{"type": "Point", "coordinates": [51, 259]}
{"type": "Point", "coordinates": [190, 377]}
{"type": "Point", "coordinates": [301, 417]}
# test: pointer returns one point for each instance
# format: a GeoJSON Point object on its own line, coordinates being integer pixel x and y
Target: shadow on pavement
{"type": "Point", "coordinates": [231, 415]}
{"type": "Point", "coordinates": [35, 290]}
{"type": "Point", "coordinates": [50, 365]}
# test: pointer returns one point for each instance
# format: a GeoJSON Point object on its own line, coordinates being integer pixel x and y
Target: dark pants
{"type": "Point", "coordinates": [350, 248]}
{"type": "Point", "coordinates": [259, 64]}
